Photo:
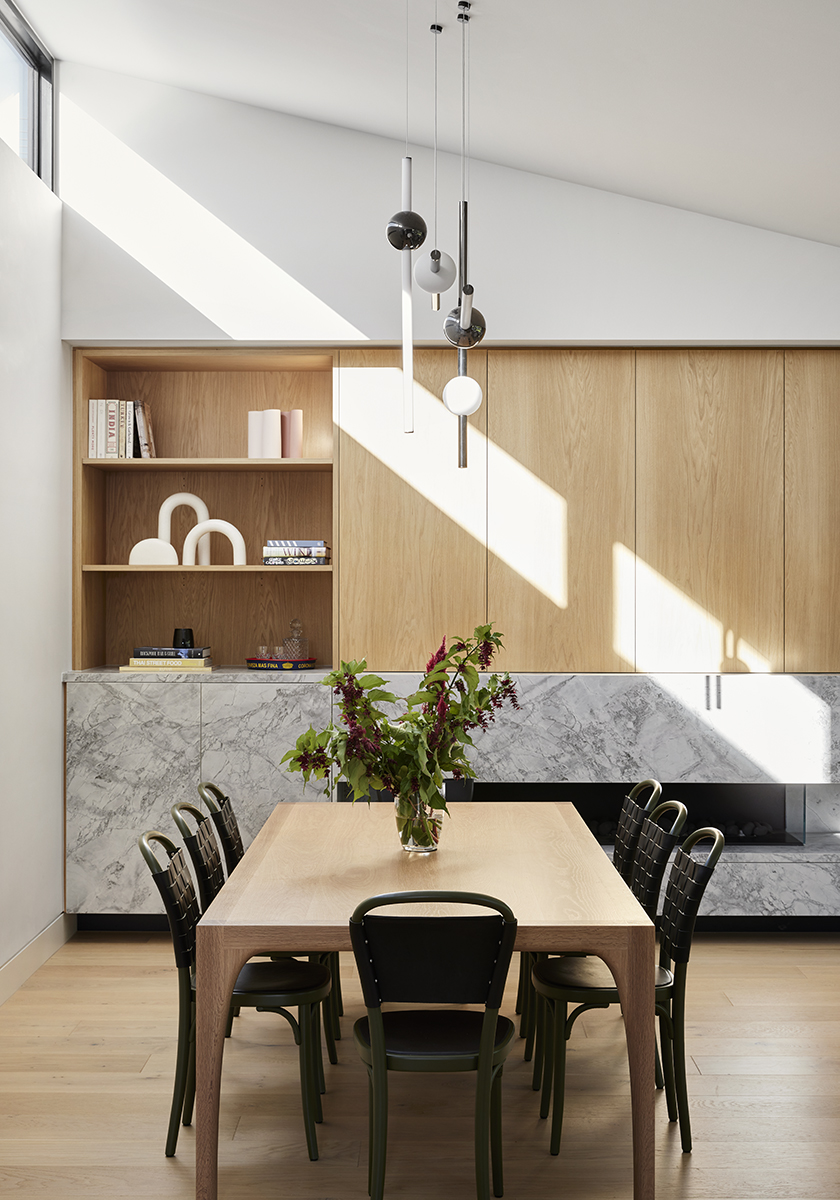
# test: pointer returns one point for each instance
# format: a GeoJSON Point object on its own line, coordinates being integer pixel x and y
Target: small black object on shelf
{"type": "Point", "coordinates": [182, 639]}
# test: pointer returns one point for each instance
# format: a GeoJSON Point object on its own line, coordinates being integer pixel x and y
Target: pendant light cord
{"type": "Point", "coordinates": [406, 76]}
{"type": "Point", "coordinates": [435, 33]}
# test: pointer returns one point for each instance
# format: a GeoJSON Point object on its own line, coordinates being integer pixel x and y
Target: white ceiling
{"type": "Point", "coordinates": [724, 107]}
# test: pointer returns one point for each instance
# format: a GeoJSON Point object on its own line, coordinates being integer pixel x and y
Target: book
{"type": "Point", "coordinates": [129, 429]}
{"type": "Point", "coordinates": [142, 435]}
{"type": "Point", "coordinates": [273, 560]}
{"type": "Point", "coordinates": [150, 437]}
{"type": "Point", "coordinates": [180, 669]}
{"type": "Point", "coordinates": [101, 427]}
{"type": "Point", "coordinates": [93, 406]}
{"type": "Point", "coordinates": [300, 542]}
{"type": "Point", "coordinates": [121, 431]}
{"type": "Point", "coordinates": [112, 428]}
{"type": "Point", "coordinates": [171, 652]}
{"type": "Point", "coordinates": [297, 551]}
{"type": "Point", "coordinates": [280, 664]}
{"type": "Point", "coordinates": [144, 660]}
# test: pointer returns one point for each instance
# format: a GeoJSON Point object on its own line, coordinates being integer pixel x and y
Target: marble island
{"type": "Point", "coordinates": [137, 743]}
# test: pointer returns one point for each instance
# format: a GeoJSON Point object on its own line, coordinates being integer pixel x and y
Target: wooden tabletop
{"type": "Point", "coordinates": [312, 863]}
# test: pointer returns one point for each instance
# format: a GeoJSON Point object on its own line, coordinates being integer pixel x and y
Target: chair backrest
{"type": "Point", "coordinates": [203, 850]}
{"type": "Point", "coordinates": [630, 825]}
{"type": "Point", "coordinates": [686, 885]}
{"type": "Point", "coordinates": [653, 850]}
{"type": "Point", "coordinates": [433, 960]}
{"type": "Point", "coordinates": [175, 885]}
{"type": "Point", "coordinates": [227, 827]}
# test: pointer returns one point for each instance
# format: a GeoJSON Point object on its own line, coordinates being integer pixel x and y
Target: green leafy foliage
{"type": "Point", "coordinates": [408, 754]}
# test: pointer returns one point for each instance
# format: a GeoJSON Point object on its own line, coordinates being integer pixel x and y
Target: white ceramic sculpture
{"type": "Point", "coordinates": [217, 526]}
{"type": "Point", "coordinates": [159, 551]}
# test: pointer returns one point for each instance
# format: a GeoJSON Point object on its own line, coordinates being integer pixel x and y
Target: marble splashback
{"type": "Point", "coordinates": [135, 746]}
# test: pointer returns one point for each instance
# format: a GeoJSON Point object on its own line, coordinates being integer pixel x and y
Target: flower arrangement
{"type": "Point", "coordinates": [410, 753]}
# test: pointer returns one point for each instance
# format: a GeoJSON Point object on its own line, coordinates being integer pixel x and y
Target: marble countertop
{"type": "Point", "coordinates": [219, 675]}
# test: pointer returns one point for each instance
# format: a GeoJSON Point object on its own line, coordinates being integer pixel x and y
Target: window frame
{"type": "Point", "coordinates": [23, 38]}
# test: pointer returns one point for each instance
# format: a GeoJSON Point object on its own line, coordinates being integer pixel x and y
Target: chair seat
{"type": "Point", "coordinates": [579, 978]}
{"type": "Point", "coordinates": [301, 982]}
{"type": "Point", "coordinates": [445, 1034]}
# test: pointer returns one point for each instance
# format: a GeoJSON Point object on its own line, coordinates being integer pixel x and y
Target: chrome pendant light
{"type": "Point", "coordinates": [465, 326]}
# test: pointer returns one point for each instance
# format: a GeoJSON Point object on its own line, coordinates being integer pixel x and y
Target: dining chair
{"type": "Point", "coordinates": [630, 819]}
{"type": "Point", "coordinates": [220, 807]}
{"type": "Point", "coordinates": [587, 983]}
{"type": "Point", "coordinates": [657, 838]}
{"type": "Point", "coordinates": [450, 960]}
{"type": "Point", "coordinates": [274, 986]}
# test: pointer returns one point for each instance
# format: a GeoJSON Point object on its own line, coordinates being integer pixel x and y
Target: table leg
{"type": "Point", "coordinates": [216, 970]}
{"type": "Point", "coordinates": [632, 968]}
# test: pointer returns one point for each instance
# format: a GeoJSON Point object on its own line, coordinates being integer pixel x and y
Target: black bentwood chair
{"type": "Point", "coordinates": [654, 846]}
{"type": "Point", "coordinates": [630, 820]}
{"type": "Point", "coordinates": [207, 865]}
{"type": "Point", "coordinates": [220, 808]}
{"type": "Point", "coordinates": [266, 986]}
{"type": "Point", "coordinates": [452, 960]}
{"type": "Point", "coordinates": [587, 983]}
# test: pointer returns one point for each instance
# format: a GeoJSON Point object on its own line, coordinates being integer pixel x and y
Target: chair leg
{"type": "Point", "coordinates": [678, 1017]}
{"type": "Point", "coordinates": [234, 1012]}
{"type": "Point", "coordinates": [483, 1088]}
{"type": "Point", "coordinates": [189, 1098]}
{"type": "Point", "coordinates": [496, 1134]}
{"type": "Point", "coordinates": [320, 1081]}
{"type": "Point", "coordinates": [539, 1040]}
{"type": "Point", "coordinates": [668, 1067]}
{"type": "Point", "coordinates": [548, 1057]}
{"type": "Point", "coordinates": [379, 1127]}
{"type": "Point", "coordinates": [560, 1009]}
{"type": "Point", "coordinates": [186, 1034]}
{"type": "Point", "coordinates": [335, 967]}
{"type": "Point", "coordinates": [308, 1079]}
{"type": "Point", "coordinates": [658, 1077]}
{"type": "Point", "coordinates": [520, 987]}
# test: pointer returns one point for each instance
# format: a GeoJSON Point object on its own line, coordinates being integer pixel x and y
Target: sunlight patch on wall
{"type": "Point", "coordinates": [370, 411]}
{"type": "Point", "coordinates": [188, 248]}
{"type": "Point", "coordinates": [773, 720]}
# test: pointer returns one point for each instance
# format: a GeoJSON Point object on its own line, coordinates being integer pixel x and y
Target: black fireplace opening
{"type": "Point", "coordinates": [748, 814]}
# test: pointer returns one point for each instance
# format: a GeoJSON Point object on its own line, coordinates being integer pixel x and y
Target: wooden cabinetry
{"type": "Point", "coordinates": [412, 525]}
{"type": "Point", "coordinates": [710, 510]}
{"type": "Point", "coordinates": [199, 400]}
{"type": "Point", "coordinates": [560, 507]}
{"type": "Point", "coordinates": [812, 510]}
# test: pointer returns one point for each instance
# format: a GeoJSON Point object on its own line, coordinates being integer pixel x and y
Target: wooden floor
{"type": "Point", "coordinates": [87, 1054]}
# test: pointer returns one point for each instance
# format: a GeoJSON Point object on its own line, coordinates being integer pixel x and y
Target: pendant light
{"type": "Point", "coordinates": [465, 326]}
{"type": "Point", "coordinates": [435, 272]}
{"type": "Point", "coordinates": [406, 232]}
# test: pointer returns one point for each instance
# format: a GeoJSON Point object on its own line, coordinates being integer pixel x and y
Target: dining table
{"type": "Point", "coordinates": [312, 863]}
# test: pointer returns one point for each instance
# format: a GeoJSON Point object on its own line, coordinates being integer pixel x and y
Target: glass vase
{"type": "Point", "coordinates": [418, 824]}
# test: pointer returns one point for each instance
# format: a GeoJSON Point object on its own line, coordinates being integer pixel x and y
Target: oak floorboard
{"type": "Point", "coordinates": [87, 1058]}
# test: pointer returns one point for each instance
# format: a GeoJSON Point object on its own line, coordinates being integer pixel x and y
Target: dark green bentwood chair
{"type": "Point", "coordinates": [630, 820]}
{"type": "Point", "coordinates": [227, 828]}
{"type": "Point", "coordinates": [452, 960]}
{"type": "Point", "coordinates": [587, 983]}
{"type": "Point", "coordinates": [266, 986]}
{"type": "Point", "coordinates": [203, 850]}
{"type": "Point", "coordinates": [654, 845]}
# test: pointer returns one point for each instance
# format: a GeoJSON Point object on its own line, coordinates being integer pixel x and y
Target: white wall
{"type": "Point", "coordinates": [550, 261]}
{"type": "Point", "coordinates": [35, 557]}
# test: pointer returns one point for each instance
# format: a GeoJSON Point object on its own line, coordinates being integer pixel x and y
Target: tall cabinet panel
{"type": "Point", "coordinates": [412, 524]}
{"type": "Point", "coordinates": [710, 510]}
{"type": "Point", "coordinates": [560, 508]}
{"type": "Point", "coordinates": [812, 510]}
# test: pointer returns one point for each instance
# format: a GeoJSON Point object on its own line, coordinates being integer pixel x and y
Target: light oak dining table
{"type": "Point", "coordinates": [312, 863]}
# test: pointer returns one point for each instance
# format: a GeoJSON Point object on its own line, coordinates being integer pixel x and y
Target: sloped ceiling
{"type": "Point", "coordinates": [729, 109]}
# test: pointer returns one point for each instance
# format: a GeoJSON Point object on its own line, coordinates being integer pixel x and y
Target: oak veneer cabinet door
{"type": "Point", "coordinates": [812, 510]}
{"type": "Point", "coordinates": [710, 510]}
{"type": "Point", "coordinates": [411, 523]}
{"type": "Point", "coordinates": [560, 488]}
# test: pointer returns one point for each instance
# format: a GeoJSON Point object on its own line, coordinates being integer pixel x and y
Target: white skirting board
{"type": "Point", "coordinates": [18, 969]}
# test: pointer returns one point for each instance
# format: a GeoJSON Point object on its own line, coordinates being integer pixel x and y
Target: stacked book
{"type": "Point", "coordinates": [295, 553]}
{"type": "Point", "coordinates": [119, 429]}
{"type": "Point", "coordinates": [163, 659]}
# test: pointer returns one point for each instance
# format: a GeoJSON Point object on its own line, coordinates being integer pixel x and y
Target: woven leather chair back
{"type": "Point", "coordinates": [686, 885]}
{"type": "Point", "coordinates": [653, 850]}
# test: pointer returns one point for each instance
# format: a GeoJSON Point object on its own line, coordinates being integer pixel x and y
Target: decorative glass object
{"type": "Point", "coordinates": [295, 646]}
{"type": "Point", "coordinates": [418, 824]}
